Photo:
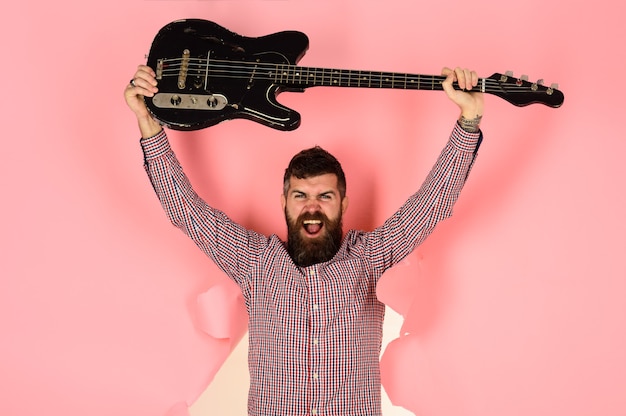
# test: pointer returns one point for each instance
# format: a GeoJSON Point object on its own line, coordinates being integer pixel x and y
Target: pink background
{"type": "Point", "coordinates": [515, 306]}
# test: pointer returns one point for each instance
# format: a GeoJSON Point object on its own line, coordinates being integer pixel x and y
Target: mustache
{"type": "Point", "coordinates": [311, 216]}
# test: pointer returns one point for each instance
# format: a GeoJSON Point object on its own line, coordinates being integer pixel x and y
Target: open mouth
{"type": "Point", "coordinates": [312, 227]}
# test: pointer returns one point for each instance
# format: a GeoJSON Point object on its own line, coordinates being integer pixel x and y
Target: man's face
{"type": "Point", "coordinates": [313, 211]}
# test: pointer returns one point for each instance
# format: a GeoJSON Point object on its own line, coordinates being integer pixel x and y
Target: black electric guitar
{"type": "Point", "coordinates": [208, 74]}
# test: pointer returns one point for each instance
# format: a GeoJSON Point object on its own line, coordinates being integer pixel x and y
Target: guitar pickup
{"type": "Point", "coordinates": [190, 101]}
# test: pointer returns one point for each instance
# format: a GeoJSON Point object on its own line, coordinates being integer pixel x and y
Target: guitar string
{"type": "Point", "coordinates": [289, 71]}
{"type": "Point", "coordinates": [293, 71]}
{"type": "Point", "coordinates": [280, 71]}
{"type": "Point", "coordinates": [337, 77]}
{"type": "Point", "coordinates": [375, 81]}
{"type": "Point", "coordinates": [490, 85]}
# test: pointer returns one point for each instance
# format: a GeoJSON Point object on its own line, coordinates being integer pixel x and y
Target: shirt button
{"type": "Point", "coordinates": [312, 272]}
{"type": "Point", "coordinates": [313, 411]}
{"type": "Point", "coordinates": [315, 376]}
{"type": "Point", "coordinates": [315, 306]}
{"type": "Point", "coordinates": [316, 341]}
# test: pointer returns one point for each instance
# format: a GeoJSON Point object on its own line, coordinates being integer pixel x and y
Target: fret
{"type": "Point", "coordinates": [365, 79]}
{"type": "Point", "coordinates": [335, 81]}
{"type": "Point", "coordinates": [282, 73]}
{"type": "Point", "coordinates": [296, 74]}
{"type": "Point", "coordinates": [412, 82]}
{"type": "Point", "coordinates": [387, 80]}
{"type": "Point", "coordinates": [274, 74]}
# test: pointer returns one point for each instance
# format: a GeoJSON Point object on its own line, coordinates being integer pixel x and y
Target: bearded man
{"type": "Point", "coordinates": [315, 324]}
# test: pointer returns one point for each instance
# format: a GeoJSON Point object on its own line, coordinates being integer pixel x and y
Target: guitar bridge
{"type": "Point", "coordinates": [212, 102]}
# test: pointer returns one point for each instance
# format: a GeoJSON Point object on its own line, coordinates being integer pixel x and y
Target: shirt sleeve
{"type": "Point", "coordinates": [228, 244]}
{"type": "Point", "coordinates": [416, 219]}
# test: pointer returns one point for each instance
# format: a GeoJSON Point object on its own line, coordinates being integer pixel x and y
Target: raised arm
{"type": "Point", "coordinates": [435, 199]}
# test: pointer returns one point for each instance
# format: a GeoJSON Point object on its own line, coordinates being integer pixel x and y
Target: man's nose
{"type": "Point", "coordinates": [312, 205]}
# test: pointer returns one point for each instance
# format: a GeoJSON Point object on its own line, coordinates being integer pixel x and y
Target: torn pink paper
{"type": "Point", "coordinates": [406, 374]}
{"type": "Point", "coordinates": [221, 312]}
{"type": "Point", "coordinates": [400, 362]}
{"type": "Point", "coordinates": [179, 409]}
{"type": "Point", "coordinates": [396, 288]}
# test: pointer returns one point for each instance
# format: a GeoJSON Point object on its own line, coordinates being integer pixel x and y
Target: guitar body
{"type": "Point", "coordinates": [203, 100]}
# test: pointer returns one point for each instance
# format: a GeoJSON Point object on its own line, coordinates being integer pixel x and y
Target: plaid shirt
{"type": "Point", "coordinates": [315, 333]}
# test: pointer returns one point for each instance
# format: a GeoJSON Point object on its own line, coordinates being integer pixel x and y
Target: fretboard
{"type": "Point", "coordinates": [300, 76]}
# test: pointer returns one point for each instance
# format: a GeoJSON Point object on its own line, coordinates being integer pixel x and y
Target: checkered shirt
{"type": "Point", "coordinates": [315, 333]}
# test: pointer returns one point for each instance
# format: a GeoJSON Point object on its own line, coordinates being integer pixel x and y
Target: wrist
{"type": "Point", "coordinates": [470, 124]}
{"type": "Point", "coordinates": [148, 126]}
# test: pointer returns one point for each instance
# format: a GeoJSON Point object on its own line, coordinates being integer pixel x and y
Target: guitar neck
{"type": "Point", "coordinates": [304, 77]}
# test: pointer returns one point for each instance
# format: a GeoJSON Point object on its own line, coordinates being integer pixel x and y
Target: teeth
{"type": "Point", "coordinates": [306, 222]}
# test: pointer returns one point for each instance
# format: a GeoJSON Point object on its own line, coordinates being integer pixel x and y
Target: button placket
{"type": "Point", "coordinates": [314, 337]}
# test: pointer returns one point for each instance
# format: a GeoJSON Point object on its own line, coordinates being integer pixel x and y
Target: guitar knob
{"type": "Point", "coordinates": [211, 102]}
{"type": "Point", "coordinates": [175, 100]}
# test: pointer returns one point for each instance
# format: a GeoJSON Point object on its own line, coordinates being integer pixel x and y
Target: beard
{"type": "Point", "coordinates": [306, 251]}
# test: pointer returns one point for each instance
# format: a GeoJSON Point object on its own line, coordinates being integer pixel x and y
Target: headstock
{"type": "Point", "coordinates": [521, 92]}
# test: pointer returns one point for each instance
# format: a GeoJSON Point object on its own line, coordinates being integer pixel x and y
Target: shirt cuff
{"type": "Point", "coordinates": [155, 146]}
{"type": "Point", "coordinates": [464, 140]}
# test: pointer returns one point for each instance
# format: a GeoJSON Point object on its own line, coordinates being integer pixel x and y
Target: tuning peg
{"type": "Point", "coordinates": [521, 80]}
{"type": "Point", "coordinates": [552, 88]}
{"type": "Point", "coordinates": [536, 85]}
{"type": "Point", "coordinates": [505, 77]}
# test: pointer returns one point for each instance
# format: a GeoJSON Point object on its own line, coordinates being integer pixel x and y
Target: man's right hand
{"type": "Point", "coordinates": [143, 84]}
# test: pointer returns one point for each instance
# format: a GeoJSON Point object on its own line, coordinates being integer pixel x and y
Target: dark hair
{"type": "Point", "coordinates": [314, 162]}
